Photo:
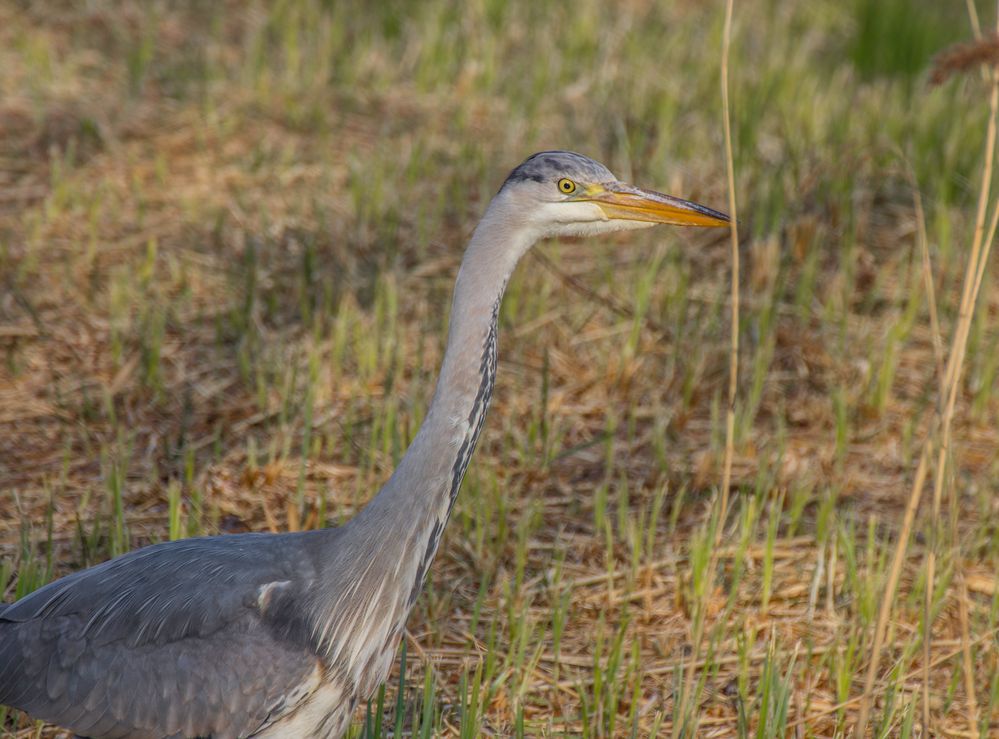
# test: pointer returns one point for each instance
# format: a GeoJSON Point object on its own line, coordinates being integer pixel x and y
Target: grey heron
{"type": "Point", "coordinates": [282, 635]}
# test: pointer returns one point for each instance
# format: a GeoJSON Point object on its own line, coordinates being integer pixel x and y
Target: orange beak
{"type": "Point", "coordinates": [625, 202]}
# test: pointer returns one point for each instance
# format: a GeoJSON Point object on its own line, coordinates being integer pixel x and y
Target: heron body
{"type": "Point", "coordinates": [268, 635]}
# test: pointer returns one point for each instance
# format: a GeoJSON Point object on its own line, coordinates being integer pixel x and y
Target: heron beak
{"type": "Point", "coordinates": [621, 201]}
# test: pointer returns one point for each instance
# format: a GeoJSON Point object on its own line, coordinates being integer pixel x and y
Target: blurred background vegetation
{"type": "Point", "coordinates": [228, 235]}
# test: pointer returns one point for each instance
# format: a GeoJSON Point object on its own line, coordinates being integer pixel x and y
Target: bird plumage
{"type": "Point", "coordinates": [549, 166]}
{"type": "Point", "coordinates": [272, 635]}
{"type": "Point", "coordinates": [153, 643]}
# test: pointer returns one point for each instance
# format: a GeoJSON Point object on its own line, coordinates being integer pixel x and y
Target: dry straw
{"type": "Point", "coordinates": [733, 373]}
{"type": "Point", "coordinates": [958, 59]}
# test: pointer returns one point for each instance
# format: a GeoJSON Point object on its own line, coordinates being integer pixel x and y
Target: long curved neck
{"type": "Point", "coordinates": [375, 564]}
{"type": "Point", "coordinates": [409, 513]}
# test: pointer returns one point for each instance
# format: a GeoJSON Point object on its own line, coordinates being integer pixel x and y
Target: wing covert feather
{"type": "Point", "coordinates": [167, 640]}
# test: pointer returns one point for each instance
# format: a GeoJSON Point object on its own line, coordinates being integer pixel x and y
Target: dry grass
{"type": "Point", "coordinates": [227, 240]}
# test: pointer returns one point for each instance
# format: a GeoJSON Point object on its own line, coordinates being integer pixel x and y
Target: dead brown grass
{"type": "Point", "coordinates": [198, 188]}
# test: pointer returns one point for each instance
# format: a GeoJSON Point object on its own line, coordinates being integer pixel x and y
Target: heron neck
{"type": "Point", "coordinates": [421, 492]}
{"type": "Point", "coordinates": [385, 551]}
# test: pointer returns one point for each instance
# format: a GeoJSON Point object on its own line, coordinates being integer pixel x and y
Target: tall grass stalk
{"type": "Point", "coordinates": [733, 373]}
{"type": "Point", "coordinates": [972, 283]}
{"type": "Point", "coordinates": [980, 249]}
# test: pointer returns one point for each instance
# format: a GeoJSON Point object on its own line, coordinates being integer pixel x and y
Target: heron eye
{"type": "Point", "coordinates": [566, 185]}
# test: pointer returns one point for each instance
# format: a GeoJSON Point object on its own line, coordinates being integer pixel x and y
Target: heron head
{"type": "Point", "coordinates": [562, 193]}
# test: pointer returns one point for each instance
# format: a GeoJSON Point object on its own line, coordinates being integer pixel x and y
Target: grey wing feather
{"type": "Point", "coordinates": [169, 640]}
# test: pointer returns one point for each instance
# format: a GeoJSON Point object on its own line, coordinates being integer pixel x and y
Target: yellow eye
{"type": "Point", "coordinates": [566, 185]}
